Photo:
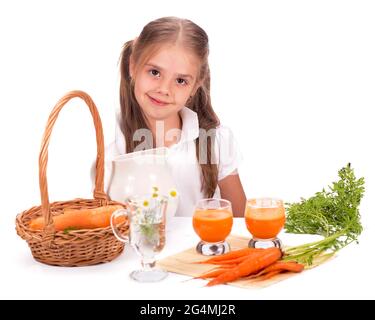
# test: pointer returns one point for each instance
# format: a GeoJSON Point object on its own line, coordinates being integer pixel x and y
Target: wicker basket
{"type": "Point", "coordinates": [77, 247]}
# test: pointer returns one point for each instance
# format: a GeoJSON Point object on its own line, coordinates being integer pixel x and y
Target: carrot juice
{"type": "Point", "coordinates": [264, 222]}
{"type": "Point", "coordinates": [212, 225]}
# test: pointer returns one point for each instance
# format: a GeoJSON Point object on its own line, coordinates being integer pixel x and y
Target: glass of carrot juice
{"type": "Point", "coordinates": [212, 222]}
{"type": "Point", "coordinates": [264, 217]}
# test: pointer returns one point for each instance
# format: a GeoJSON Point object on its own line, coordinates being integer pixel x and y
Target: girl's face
{"type": "Point", "coordinates": [165, 82]}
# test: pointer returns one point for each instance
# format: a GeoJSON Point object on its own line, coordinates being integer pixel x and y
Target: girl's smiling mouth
{"type": "Point", "coordinates": [157, 102]}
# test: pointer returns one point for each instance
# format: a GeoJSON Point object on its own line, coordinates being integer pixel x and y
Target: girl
{"type": "Point", "coordinates": [165, 83]}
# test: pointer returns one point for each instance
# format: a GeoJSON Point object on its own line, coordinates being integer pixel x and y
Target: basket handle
{"type": "Point", "coordinates": [43, 156]}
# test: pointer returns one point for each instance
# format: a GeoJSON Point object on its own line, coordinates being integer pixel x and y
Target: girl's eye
{"type": "Point", "coordinates": [182, 81]}
{"type": "Point", "coordinates": [154, 72]}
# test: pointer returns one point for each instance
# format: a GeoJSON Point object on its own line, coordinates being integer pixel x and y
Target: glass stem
{"type": "Point", "coordinates": [148, 264]}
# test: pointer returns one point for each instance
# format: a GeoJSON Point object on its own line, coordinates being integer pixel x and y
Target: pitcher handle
{"type": "Point", "coordinates": [116, 232]}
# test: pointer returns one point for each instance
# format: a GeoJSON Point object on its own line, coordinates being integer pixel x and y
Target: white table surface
{"type": "Point", "coordinates": [23, 278]}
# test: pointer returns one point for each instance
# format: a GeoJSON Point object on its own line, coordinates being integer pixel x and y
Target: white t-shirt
{"type": "Point", "coordinates": [183, 162]}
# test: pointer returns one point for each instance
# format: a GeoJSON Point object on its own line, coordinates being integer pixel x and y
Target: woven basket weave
{"type": "Point", "coordinates": [77, 247]}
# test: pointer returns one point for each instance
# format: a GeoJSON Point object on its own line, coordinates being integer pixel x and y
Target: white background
{"type": "Point", "coordinates": [293, 79]}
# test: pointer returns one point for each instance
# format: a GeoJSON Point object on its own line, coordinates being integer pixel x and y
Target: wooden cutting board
{"type": "Point", "coordinates": [182, 263]}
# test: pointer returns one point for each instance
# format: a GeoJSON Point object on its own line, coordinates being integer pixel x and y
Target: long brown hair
{"type": "Point", "coordinates": [153, 36]}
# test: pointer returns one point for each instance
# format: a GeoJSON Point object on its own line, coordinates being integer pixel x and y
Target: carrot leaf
{"type": "Point", "coordinates": [332, 213]}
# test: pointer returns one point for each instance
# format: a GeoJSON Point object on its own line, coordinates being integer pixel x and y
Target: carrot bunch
{"type": "Point", "coordinates": [73, 219]}
{"type": "Point", "coordinates": [248, 263]}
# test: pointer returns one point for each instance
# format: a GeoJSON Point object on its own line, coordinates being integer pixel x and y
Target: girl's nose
{"type": "Point", "coordinates": [164, 87]}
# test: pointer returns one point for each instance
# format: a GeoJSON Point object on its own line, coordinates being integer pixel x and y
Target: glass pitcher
{"type": "Point", "coordinates": [142, 172]}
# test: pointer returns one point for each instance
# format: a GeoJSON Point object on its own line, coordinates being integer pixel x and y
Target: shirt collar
{"type": "Point", "coordinates": [190, 125]}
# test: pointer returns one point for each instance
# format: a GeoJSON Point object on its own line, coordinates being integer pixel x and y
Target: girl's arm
{"type": "Point", "coordinates": [231, 189]}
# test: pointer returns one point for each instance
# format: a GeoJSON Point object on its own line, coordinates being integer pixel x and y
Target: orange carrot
{"type": "Point", "coordinates": [80, 219]}
{"type": "Point", "coordinates": [285, 266]}
{"type": "Point", "coordinates": [233, 261]}
{"type": "Point", "coordinates": [253, 264]}
{"type": "Point", "coordinates": [229, 256]}
{"type": "Point", "coordinates": [212, 273]}
{"type": "Point", "coordinates": [268, 275]}
{"type": "Point", "coordinates": [279, 266]}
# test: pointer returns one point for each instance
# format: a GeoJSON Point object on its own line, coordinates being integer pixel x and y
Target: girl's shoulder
{"type": "Point", "coordinates": [227, 150]}
{"type": "Point", "coordinates": [224, 135]}
{"type": "Point", "coordinates": [223, 128]}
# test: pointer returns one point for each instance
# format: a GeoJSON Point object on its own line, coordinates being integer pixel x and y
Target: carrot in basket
{"type": "Point", "coordinates": [229, 256]}
{"type": "Point", "coordinates": [80, 219]}
{"type": "Point", "coordinates": [254, 263]}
